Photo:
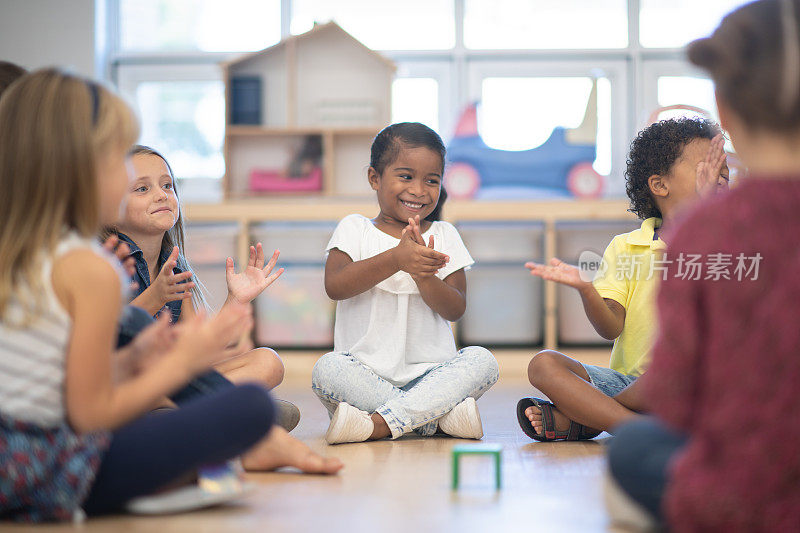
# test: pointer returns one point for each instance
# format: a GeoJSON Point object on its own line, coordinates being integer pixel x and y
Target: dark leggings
{"type": "Point", "coordinates": [132, 321]}
{"type": "Point", "coordinates": [639, 457]}
{"type": "Point", "coordinates": [160, 448]}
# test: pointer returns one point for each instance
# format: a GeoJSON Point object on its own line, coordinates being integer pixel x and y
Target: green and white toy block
{"type": "Point", "coordinates": [494, 450]}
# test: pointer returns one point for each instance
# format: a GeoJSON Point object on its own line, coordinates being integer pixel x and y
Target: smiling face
{"type": "Point", "coordinates": [408, 186]}
{"type": "Point", "coordinates": [152, 205]}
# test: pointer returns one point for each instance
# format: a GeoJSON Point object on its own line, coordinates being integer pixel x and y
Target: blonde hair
{"type": "Point", "coordinates": [175, 235]}
{"type": "Point", "coordinates": [54, 126]}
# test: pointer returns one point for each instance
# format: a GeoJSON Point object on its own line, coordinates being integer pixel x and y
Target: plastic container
{"type": "Point", "coordinates": [271, 180]}
{"type": "Point", "coordinates": [572, 239]}
{"type": "Point", "coordinates": [210, 243]}
{"type": "Point", "coordinates": [503, 242]}
{"type": "Point", "coordinates": [299, 242]}
{"type": "Point", "coordinates": [504, 302]}
{"type": "Point", "coordinates": [212, 276]}
{"type": "Point", "coordinates": [504, 307]}
{"type": "Point", "coordinates": [295, 311]}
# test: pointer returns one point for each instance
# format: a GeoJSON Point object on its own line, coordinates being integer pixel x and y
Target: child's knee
{"type": "Point", "coordinates": [265, 367]}
{"type": "Point", "coordinates": [325, 372]}
{"type": "Point", "coordinates": [542, 365]}
{"type": "Point", "coordinates": [272, 366]}
{"type": "Point", "coordinates": [485, 363]}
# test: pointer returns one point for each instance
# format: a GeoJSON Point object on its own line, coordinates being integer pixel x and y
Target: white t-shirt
{"type": "Point", "coordinates": [390, 328]}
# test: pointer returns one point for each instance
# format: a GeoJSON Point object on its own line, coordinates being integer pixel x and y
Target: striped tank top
{"type": "Point", "coordinates": [33, 357]}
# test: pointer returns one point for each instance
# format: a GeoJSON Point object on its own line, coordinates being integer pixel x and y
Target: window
{"type": "Point", "coordinates": [529, 62]}
{"type": "Point", "coordinates": [686, 90]}
{"type": "Point", "coordinates": [675, 23]}
{"type": "Point", "coordinates": [416, 100]}
{"type": "Point", "coordinates": [185, 120]}
{"type": "Point", "coordinates": [204, 25]}
{"type": "Point", "coordinates": [182, 114]}
{"type": "Point", "coordinates": [381, 24]}
{"type": "Point", "coordinates": [546, 24]}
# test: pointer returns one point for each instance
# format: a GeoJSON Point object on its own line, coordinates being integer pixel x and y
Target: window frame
{"type": "Point", "coordinates": [633, 71]}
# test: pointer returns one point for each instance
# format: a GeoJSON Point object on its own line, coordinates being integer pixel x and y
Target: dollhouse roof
{"type": "Point", "coordinates": [316, 31]}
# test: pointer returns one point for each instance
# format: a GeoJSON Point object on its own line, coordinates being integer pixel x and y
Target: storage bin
{"type": "Point", "coordinates": [506, 242]}
{"type": "Point", "coordinates": [504, 307]}
{"type": "Point", "coordinates": [212, 276]}
{"type": "Point", "coordinates": [211, 243]}
{"type": "Point", "coordinates": [295, 311]}
{"type": "Point", "coordinates": [299, 242]}
{"type": "Point", "coordinates": [573, 238]}
{"type": "Point", "coordinates": [504, 302]}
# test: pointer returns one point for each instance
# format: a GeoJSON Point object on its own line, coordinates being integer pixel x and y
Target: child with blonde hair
{"type": "Point", "coordinates": [72, 434]}
{"type": "Point", "coordinates": [152, 226]}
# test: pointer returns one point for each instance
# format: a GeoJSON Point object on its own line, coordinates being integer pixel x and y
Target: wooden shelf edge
{"type": "Point", "coordinates": [256, 131]}
{"type": "Point", "coordinates": [321, 207]}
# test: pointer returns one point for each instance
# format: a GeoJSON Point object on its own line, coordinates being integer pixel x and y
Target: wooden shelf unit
{"type": "Point", "coordinates": [323, 82]}
{"type": "Point", "coordinates": [287, 209]}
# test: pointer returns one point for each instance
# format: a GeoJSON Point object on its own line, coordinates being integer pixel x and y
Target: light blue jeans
{"type": "Point", "coordinates": [340, 377]}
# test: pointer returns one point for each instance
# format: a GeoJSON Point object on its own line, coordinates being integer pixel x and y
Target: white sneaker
{"type": "Point", "coordinates": [349, 424]}
{"type": "Point", "coordinates": [464, 421]}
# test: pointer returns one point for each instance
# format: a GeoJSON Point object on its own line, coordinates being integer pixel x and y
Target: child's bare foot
{"type": "Point", "coordinates": [279, 449]}
{"type": "Point", "coordinates": [534, 414]}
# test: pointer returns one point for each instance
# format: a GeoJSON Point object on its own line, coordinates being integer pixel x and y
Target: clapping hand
{"type": "Point", "coordinates": [122, 252]}
{"type": "Point", "coordinates": [558, 271]}
{"type": "Point", "coordinates": [245, 286]}
{"type": "Point", "coordinates": [148, 346]}
{"type": "Point", "coordinates": [414, 256]}
{"type": "Point", "coordinates": [168, 286]}
{"type": "Point", "coordinates": [709, 171]}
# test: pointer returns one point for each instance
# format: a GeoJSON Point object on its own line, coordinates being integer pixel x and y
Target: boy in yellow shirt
{"type": "Point", "coordinates": [670, 165]}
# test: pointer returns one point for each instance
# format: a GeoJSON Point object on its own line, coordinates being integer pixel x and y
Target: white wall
{"type": "Point", "coordinates": [41, 33]}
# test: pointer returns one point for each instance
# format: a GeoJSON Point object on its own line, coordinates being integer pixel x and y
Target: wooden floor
{"type": "Point", "coordinates": [404, 485]}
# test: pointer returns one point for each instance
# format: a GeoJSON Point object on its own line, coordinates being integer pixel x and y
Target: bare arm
{"type": "Point", "coordinates": [606, 315]}
{"type": "Point", "coordinates": [345, 278]}
{"type": "Point", "coordinates": [90, 291]}
{"type": "Point", "coordinates": [447, 297]}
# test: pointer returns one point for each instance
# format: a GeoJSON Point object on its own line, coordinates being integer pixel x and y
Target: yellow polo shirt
{"type": "Point", "coordinates": [632, 265]}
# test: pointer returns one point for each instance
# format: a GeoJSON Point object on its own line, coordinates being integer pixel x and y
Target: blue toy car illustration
{"type": "Point", "coordinates": [560, 168]}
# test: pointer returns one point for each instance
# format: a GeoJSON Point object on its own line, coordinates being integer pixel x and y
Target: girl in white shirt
{"type": "Point", "coordinates": [399, 280]}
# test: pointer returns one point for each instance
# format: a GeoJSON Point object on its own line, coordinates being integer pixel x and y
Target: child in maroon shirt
{"type": "Point", "coordinates": [723, 453]}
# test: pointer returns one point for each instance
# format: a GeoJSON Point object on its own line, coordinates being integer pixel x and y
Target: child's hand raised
{"type": "Point", "coordinates": [709, 171]}
{"type": "Point", "coordinates": [148, 346]}
{"type": "Point", "coordinates": [122, 252]}
{"type": "Point", "coordinates": [168, 286]}
{"type": "Point", "coordinates": [245, 286]}
{"type": "Point", "coordinates": [414, 257]}
{"type": "Point", "coordinates": [413, 227]}
{"type": "Point", "coordinates": [203, 342]}
{"type": "Point", "coordinates": [560, 272]}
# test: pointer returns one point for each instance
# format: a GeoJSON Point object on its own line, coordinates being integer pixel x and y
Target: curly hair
{"type": "Point", "coordinates": [654, 151]}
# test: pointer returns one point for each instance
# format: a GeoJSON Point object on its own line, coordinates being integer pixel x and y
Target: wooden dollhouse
{"type": "Point", "coordinates": [301, 115]}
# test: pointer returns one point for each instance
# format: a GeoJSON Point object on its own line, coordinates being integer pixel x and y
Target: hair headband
{"type": "Point", "coordinates": [95, 100]}
{"type": "Point", "coordinates": [791, 56]}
